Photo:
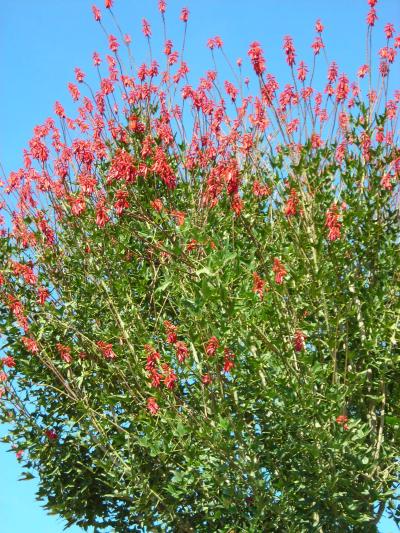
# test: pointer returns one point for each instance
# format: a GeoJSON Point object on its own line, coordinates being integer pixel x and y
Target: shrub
{"type": "Point", "coordinates": [200, 296]}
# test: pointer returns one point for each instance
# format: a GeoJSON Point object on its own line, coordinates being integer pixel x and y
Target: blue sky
{"type": "Point", "coordinates": [42, 41]}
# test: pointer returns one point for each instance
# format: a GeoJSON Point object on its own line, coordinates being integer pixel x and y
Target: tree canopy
{"type": "Point", "coordinates": [200, 298]}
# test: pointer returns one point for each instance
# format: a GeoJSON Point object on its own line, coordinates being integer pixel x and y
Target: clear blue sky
{"type": "Point", "coordinates": [42, 41]}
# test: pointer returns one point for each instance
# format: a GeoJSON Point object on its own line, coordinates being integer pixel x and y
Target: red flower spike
{"type": "Point", "coordinates": [212, 346]}
{"type": "Point", "coordinates": [206, 379]}
{"type": "Point", "coordinates": [342, 421]}
{"type": "Point", "coordinates": [106, 350]}
{"type": "Point", "coordinates": [298, 341]}
{"type": "Point", "coordinates": [228, 360]}
{"type": "Point", "coordinates": [171, 332]}
{"type": "Point", "coordinates": [157, 204]}
{"type": "Point", "coordinates": [258, 285]}
{"type": "Point", "coordinates": [291, 204]}
{"type": "Point", "coordinates": [279, 270]}
{"type": "Point", "coordinates": [152, 406]}
{"type": "Point", "coordinates": [51, 434]}
{"type": "Point", "coordinates": [30, 345]}
{"type": "Point", "coordinates": [65, 352]}
{"type": "Point", "coordinates": [319, 27]}
{"type": "Point", "coordinates": [96, 13]}
{"type": "Point", "coordinates": [288, 47]}
{"type": "Point", "coordinates": [182, 351]}
{"type": "Point", "coordinates": [257, 59]}
{"type": "Point", "coordinates": [146, 29]}
{"type": "Point", "coordinates": [184, 16]}
{"type": "Point", "coordinates": [8, 361]}
{"type": "Point", "coordinates": [170, 378]}
{"type": "Point", "coordinates": [332, 223]}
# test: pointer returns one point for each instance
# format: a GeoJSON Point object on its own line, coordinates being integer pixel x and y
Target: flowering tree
{"type": "Point", "coordinates": [199, 296]}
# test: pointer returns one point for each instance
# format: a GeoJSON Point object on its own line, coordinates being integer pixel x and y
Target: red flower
{"type": "Point", "coordinates": [258, 285]}
{"type": "Point", "coordinates": [170, 378]}
{"type": "Point", "coordinates": [319, 27]}
{"type": "Point", "coordinates": [302, 71]}
{"type": "Point", "coordinates": [30, 344]}
{"type": "Point", "coordinates": [96, 13]}
{"type": "Point", "coordinates": [182, 351]}
{"type": "Point", "coordinates": [65, 352]}
{"type": "Point", "coordinates": [372, 17]}
{"type": "Point", "coordinates": [342, 421]}
{"type": "Point", "coordinates": [317, 45]}
{"type": "Point", "coordinates": [122, 202]}
{"type": "Point", "coordinates": [73, 89]}
{"type": "Point", "coordinates": [228, 360]}
{"type": "Point", "coordinates": [152, 406]}
{"type": "Point", "coordinates": [171, 332]}
{"type": "Point", "coordinates": [106, 349]}
{"type": "Point", "coordinates": [59, 110]}
{"type": "Point", "coordinates": [8, 361]}
{"type": "Point", "coordinates": [96, 59]}
{"type": "Point", "coordinates": [113, 43]}
{"type": "Point", "coordinates": [38, 150]}
{"type": "Point", "coordinates": [179, 217]}
{"type": "Point", "coordinates": [206, 379]}
{"type": "Point", "coordinates": [192, 245]}
{"type": "Point", "coordinates": [291, 204]}
{"type": "Point", "coordinates": [134, 124]}
{"type": "Point", "coordinates": [332, 222]}
{"type": "Point", "coordinates": [146, 29]}
{"type": "Point", "coordinates": [108, 4]}
{"type": "Point", "coordinates": [122, 167]}
{"type": "Point", "coordinates": [152, 359]}
{"type": "Point", "coordinates": [43, 294]}
{"type": "Point", "coordinates": [51, 434]}
{"type": "Point", "coordinates": [157, 204]}
{"type": "Point", "coordinates": [184, 14]}
{"type": "Point", "coordinates": [279, 270]}
{"type": "Point", "coordinates": [79, 75]}
{"type": "Point", "coordinates": [163, 169]}
{"type": "Point", "coordinates": [231, 90]}
{"type": "Point", "coordinates": [256, 55]}
{"type": "Point", "coordinates": [298, 340]}
{"type": "Point", "coordinates": [260, 190]}
{"type": "Point", "coordinates": [288, 47]}
{"type": "Point", "coordinates": [389, 30]}
{"type": "Point", "coordinates": [101, 213]}
{"type": "Point", "coordinates": [211, 346]}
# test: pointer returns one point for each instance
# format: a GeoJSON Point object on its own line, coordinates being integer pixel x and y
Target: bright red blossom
{"type": "Point", "coordinates": [298, 340]}
{"type": "Point", "coordinates": [65, 352]}
{"type": "Point", "coordinates": [182, 352]}
{"type": "Point", "coordinates": [171, 332]}
{"type": "Point", "coordinates": [342, 421]}
{"type": "Point", "coordinates": [106, 350]}
{"type": "Point", "coordinates": [228, 360]}
{"type": "Point", "coordinates": [212, 346]}
{"type": "Point", "coordinates": [332, 222]}
{"type": "Point", "coordinates": [96, 13]}
{"type": "Point", "coordinates": [257, 58]}
{"type": "Point", "coordinates": [146, 29]}
{"type": "Point", "coordinates": [152, 406]}
{"type": "Point", "coordinates": [279, 270]}
{"type": "Point", "coordinates": [8, 361]}
{"type": "Point", "coordinates": [184, 16]}
{"type": "Point", "coordinates": [258, 285]}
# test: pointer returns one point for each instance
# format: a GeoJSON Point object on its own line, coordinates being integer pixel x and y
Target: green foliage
{"type": "Point", "coordinates": [267, 308]}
